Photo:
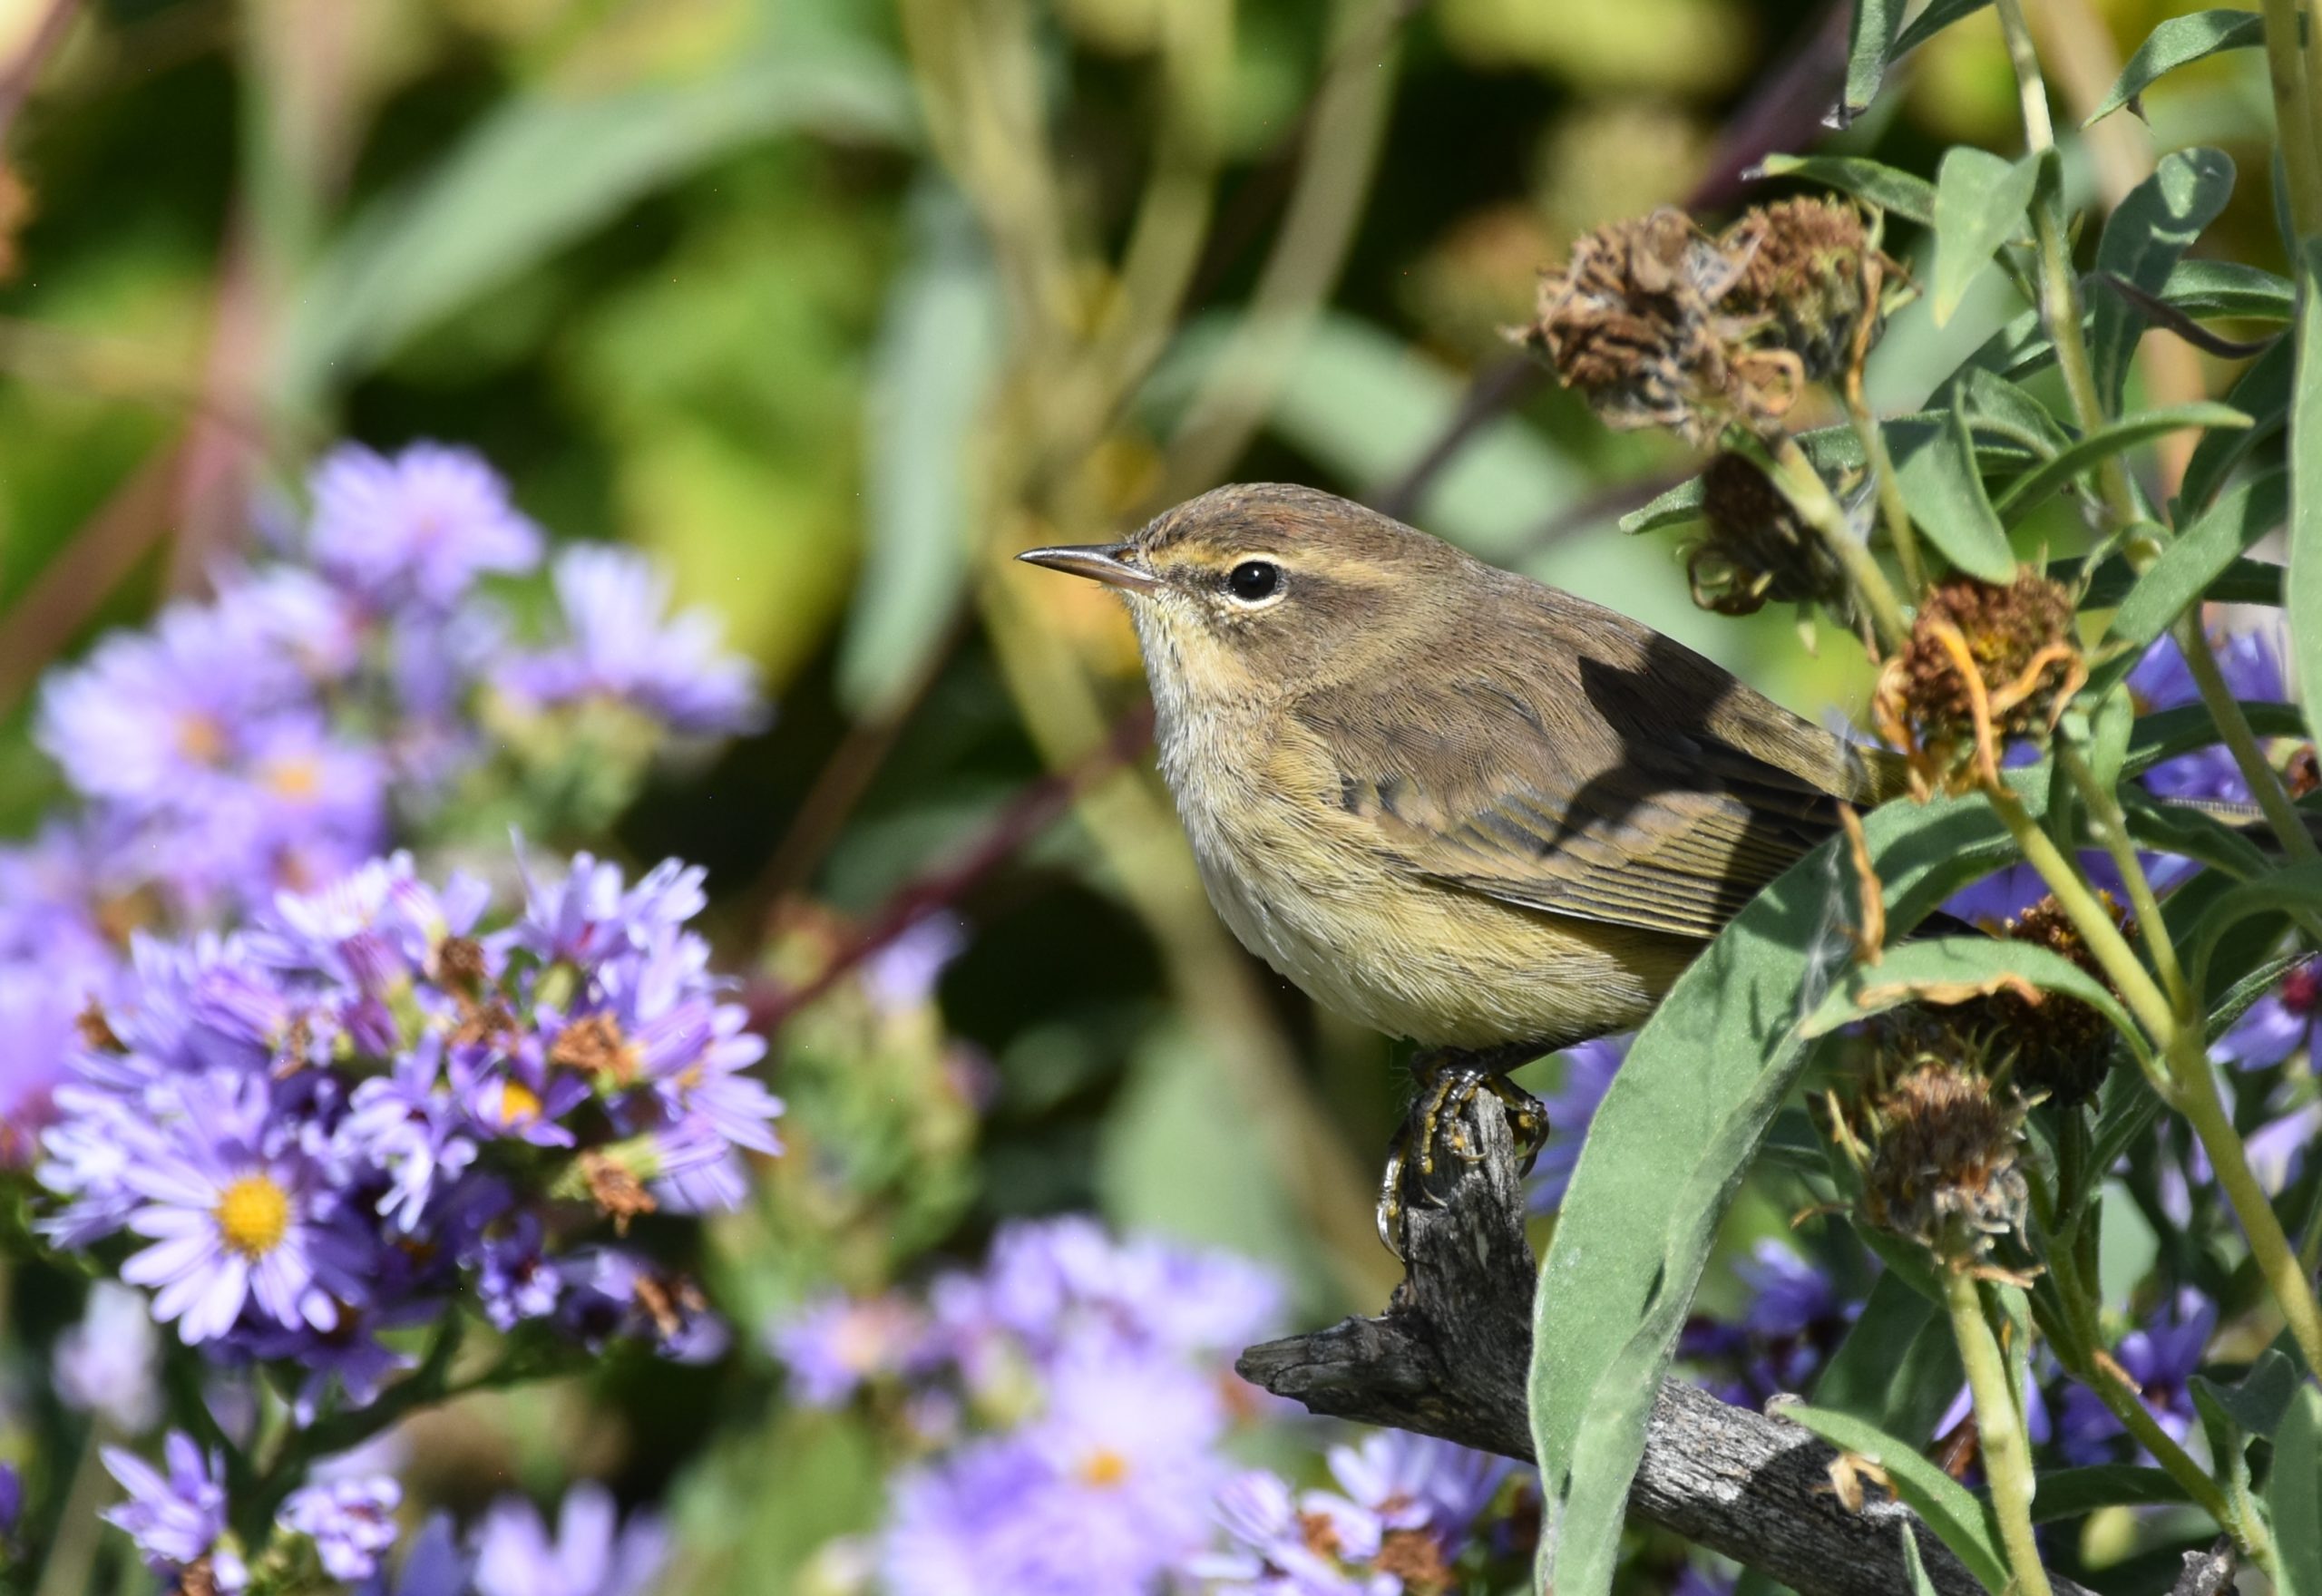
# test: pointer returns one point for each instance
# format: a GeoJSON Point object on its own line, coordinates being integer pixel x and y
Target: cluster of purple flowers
{"type": "Point", "coordinates": [344, 1526]}
{"type": "Point", "coordinates": [1795, 1319]}
{"type": "Point", "coordinates": [321, 708]}
{"type": "Point", "coordinates": [1070, 1405]}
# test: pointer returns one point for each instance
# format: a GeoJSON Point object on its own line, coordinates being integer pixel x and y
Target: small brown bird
{"type": "Point", "coordinates": [1444, 799]}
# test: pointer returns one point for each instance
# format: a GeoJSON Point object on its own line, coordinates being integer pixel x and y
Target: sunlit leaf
{"type": "Point", "coordinates": [2143, 239]}
{"type": "Point", "coordinates": [1979, 201]}
{"type": "Point", "coordinates": [1943, 484]}
{"type": "Point", "coordinates": [1871, 36]}
{"type": "Point", "coordinates": [2199, 556]}
{"type": "Point", "coordinates": [2261, 392]}
{"type": "Point", "coordinates": [2033, 489]}
{"type": "Point", "coordinates": [1892, 190]}
{"type": "Point", "coordinates": [1953, 969]}
{"type": "Point", "coordinates": [2293, 1493]}
{"type": "Point", "coordinates": [1960, 1520]}
{"type": "Point", "coordinates": [2175, 42]}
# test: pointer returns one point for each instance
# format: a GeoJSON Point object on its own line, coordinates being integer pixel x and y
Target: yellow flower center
{"type": "Point", "coordinates": [253, 1215]}
{"type": "Point", "coordinates": [518, 1102]}
{"type": "Point", "coordinates": [201, 738]}
{"type": "Point", "coordinates": [1103, 1467]}
{"type": "Point", "coordinates": [295, 778]}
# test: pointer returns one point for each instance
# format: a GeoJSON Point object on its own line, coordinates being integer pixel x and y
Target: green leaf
{"type": "Point", "coordinates": [2167, 733]}
{"type": "Point", "coordinates": [2289, 889]}
{"type": "Point", "coordinates": [1960, 1520]}
{"type": "Point", "coordinates": [1673, 1139]}
{"type": "Point", "coordinates": [2302, 589]}
{"type": "Point", "coordinates": [2179, 41]}
{"type": "Point", "coordinates": [2075, 1492]}
{"type": "Point", "coordinates": [2200, 555]}
{"type": "Point", "coordinates": [2032, 490]}
{"type": "Point", "coordinates": [1996, 406]}
{"type": "Point", "coordinates": [1893, 190]}
{"type": "Point", "coordinates": [1870, 34]}
{"type": "Point", "coordinates": [2258, 1399]}
{"type": "Point", "coordinates": [1979, 201]}
{"type": "Point", "coordinates": [1951, 969]}
{"type": "Point", "coordinates": [2262, 391]}
{"type": "Point", "coordinates": [1937, 17]}
{"type": "Point", "coordinates": [2294, 1496]}
{"type": "Point", "coordinates": [2110, 726]}
{"type": "Point", "coordinates": [544, 170]}
{"type": "Point", "coordinates": [1920, 1584]}
{"type": "Point", "coordinates": [1944, 488]}
{"type": "Point", "coordinates": [2174, 828]}
{"type": "Point", "coordinates": [1903, 1395]}
{"type": "Point", "coordinates": [2229, 289]}
{"type": "Point", "coordinates": [931, 373]}
{"type": "Point", "coordinates": [2142, 241]}
{"type": "Point", "coordinates": [2242, 581]}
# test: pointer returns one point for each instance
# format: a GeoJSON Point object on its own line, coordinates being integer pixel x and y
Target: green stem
{"type": "Point", "coordinates": [2060, 304]}
{"type": "Point", "coordinates": [2088, 915]}
{"type": "Point", "coordinates": [2112, 827]}
{"type": "Point", "coordinates": [2293, 115]}
{"type": "Point", "coordinates": [78, 1528]}
{"type": "Point", "coordinates": [2265, 782]}
{"type": "Point", "coordinates": [2007, 1456]}
{"type": "Point", "coordinates": [1891, 508]}
{"type": "Point", "coordinates": [1811, 497]}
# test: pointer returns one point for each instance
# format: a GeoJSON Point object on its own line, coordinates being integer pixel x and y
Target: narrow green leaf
{"type": "Point", "coordinates": [2075, 1492]}
{"type": "Point", "coordinates": [1673, 1139]}
{"type": "Point", "coordinates": [1920, 1584]}
{"type": "Point", "coordinates": [2229, 289]}
{"type": "Point", "coordinates": [2167, 733]}
{"type": "Point", "coordinates": [1996, 406]}
{"type": "Point", "coordinates": [2262, 393]}
{"type": "Point", "coordinates": [2143, 241]}
{"type": "Point", "coordinates": [1960, 1520]}
{"type": "Point", "coordinates": [2033, 489]}
{"type": "Point", "coordinates": [1897, 1367]}
{"type": "Point", "coordinates": [2302, 589]}
{"type": "Point", "coordinates": [2200, 555]}
{"type": "Point", "coordinates": [2258, 1399]}
{"type": "Point", "coordinates": [2175, 42]}
{"type": "Point", "coordinates": [1979, 201]}
{"type": "Point", "coordinates": [542, 172]}
{"type": "Point", "coordinates": [1944, 486]}
{"type": "Point", "coordinates": [2289, 889]}
{"type": "Point", "coordinates": [1892, 190]}
{"type": "Point", "coordinates": [1870, 34]}
{"type": "Point", "coordinates": [2174, 828]}
{"type": "Point", "coordinates": [2242, 581]}
{"type": "Point", "coordinates": [2294, 1495]}
{"type": "Point", "coordinates": [1951, 969]}
{"type": "Point", "coordinates": [930, 373]}
{"type": "Point", "coordinates": [1938, 16]}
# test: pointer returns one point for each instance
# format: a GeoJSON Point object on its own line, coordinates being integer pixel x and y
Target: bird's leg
{"type": "Point", "coordinates": [1449, 1078]}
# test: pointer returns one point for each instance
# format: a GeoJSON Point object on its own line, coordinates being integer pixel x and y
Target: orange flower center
{"type": "Point", "coordinates": [295, 778]}
{"type": "Point", "coordinates": [518, 1102]}
{"type": "Point", "coordinates": [253, 1215]}
{"type": "Point", "coordinates": [1103, 1467]}
{"type": "Point", "coordinates": [201, 738]}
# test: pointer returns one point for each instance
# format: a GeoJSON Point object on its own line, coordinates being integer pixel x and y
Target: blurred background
{"type": "Point", "coordinates": [831, 307]}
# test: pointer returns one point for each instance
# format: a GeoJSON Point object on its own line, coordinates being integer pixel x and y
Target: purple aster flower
{"type": "Point", "coordinates": [1282, 1545]}
{"type": "Point", "coordinates": [608, 1292]}
{"type": "Point", "coordinates": [900, 978]}
{"type": "Point", "coordinates": [1693, 1580]}
{"type": "Point", "coordinates": [51, 894]}
{"type": "Point", "coordinates": [180, 1518]}
{"type": "Point", "coordinates": [1588, 1071]}
{"type": "Point", "coordinates": [832, 1347]}
{"type": "Point", "coordinates": [592, 1553]}
{"type": "Point", "coordinates": [1794, 1319]}
{"type": "Point", "coordinates": [235, 1217]}
{"type": "Point", "coordinates": [422, 525]}
{"type": "Point", "coordinates": [349, 1353]}
{"type": "Point", "coordinates": [407, 1123]}
{"type": "Point", "coordinates": [588, 916]}
{"type": "Point", "coordinates": [2250, 661]}
{"type": "Point", "coordinates": [433, 1565]}
{"type": "Point", "coordinates": [2285, 1021]}
{"type": "Point", "coordinates": [623, 645]}
{"type": "Point", "coordinates": [109, 1363]}
{"type": "Point", "coordinates": [1419, 1483]}
{"type": "Point", "coordinates": [514, 1279]}
{"type": "Point", "coordinates": [2160, 1357]}
{"type": "Point", "coordinates": [39, 1011]}
{"type": "Point", "coordinates": [352, 1522]}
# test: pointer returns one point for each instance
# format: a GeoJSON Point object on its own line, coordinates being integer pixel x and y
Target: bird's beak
{"type": "Point", "coordinates": [1099, 562]}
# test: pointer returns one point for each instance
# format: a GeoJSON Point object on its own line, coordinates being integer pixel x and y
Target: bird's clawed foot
{"type": "Point", "coordinates": [1448, 1081]}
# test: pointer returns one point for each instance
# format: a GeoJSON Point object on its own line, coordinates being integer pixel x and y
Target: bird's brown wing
{"type": "Point", "coordinates": [1584, 796]}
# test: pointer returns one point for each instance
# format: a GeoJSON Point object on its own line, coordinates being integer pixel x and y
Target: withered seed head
{"type": "Point", "coordinates": [2019, 639]}
{"type": "Point", "coordinates": [1635, 323]}
{"type": "Point", "coordinates": [1941, 1160]}
{"type": "Point", "coordinates": [2059, 1046]}
{"type": "Point", "coordinates": [1756, 548]}
{"type": "Point", "coordinates": [1810, 265]}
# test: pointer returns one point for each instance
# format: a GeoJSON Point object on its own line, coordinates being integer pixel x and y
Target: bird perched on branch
{"type": "Point", "coordinates": [1446, 800]}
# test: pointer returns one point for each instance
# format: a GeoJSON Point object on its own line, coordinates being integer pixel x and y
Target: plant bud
{"type": "Point", "coordinates": [1756, 548]}
{"type": "Point", "coordinates": [2026, 661]}
{"type": "Point", "coordinates": [1811, 266]}
{"type": "Point", "coordinates": [2059, 1047]}
{"type": "Point", "coordinates": [1937, 1153]}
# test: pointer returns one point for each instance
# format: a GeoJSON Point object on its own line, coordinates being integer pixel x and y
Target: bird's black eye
{"type": "Point", "coordinates": [1253, 579]}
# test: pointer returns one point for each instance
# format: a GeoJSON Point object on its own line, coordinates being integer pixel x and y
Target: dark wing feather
{"type": "Point", "coordinates": [1572, 786]}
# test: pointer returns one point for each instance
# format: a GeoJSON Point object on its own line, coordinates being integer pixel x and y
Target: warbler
{"type": "Point", "coordinates": [1446, 800]}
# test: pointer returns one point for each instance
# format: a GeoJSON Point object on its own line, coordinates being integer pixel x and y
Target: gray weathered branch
{"type": "Point", "coordinates": [1450, 1356]}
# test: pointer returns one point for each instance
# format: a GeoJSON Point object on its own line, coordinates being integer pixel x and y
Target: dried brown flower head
{"type": "Point", "coordinates": [615, 1188]}
{"type": "Point", "coordinates": [2058, 1046]}
{"type": "Point", "coordinates": [1756, 548]}
{"type": "Point", "coordinates": [1636, 323]}
{"type": "Point", "coordinates": [1938, 1152]}
{"type": "Point", "coordinates": [1985, 664]}
{"type": "Point", "coordinates": [1816, 271]}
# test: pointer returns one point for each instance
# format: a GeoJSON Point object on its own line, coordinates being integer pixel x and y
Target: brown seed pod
{"type": "Point", "coordinates": [2059, 1047]}
{"type": "Point", "coordinates": [1937, 1150]}
{"type": "Point", "coordinates": [1985, 664]}
{"type": "Point", "coordinates": [1812, 267]}
{"type": "Point", "coordinates": [1756, 549]}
